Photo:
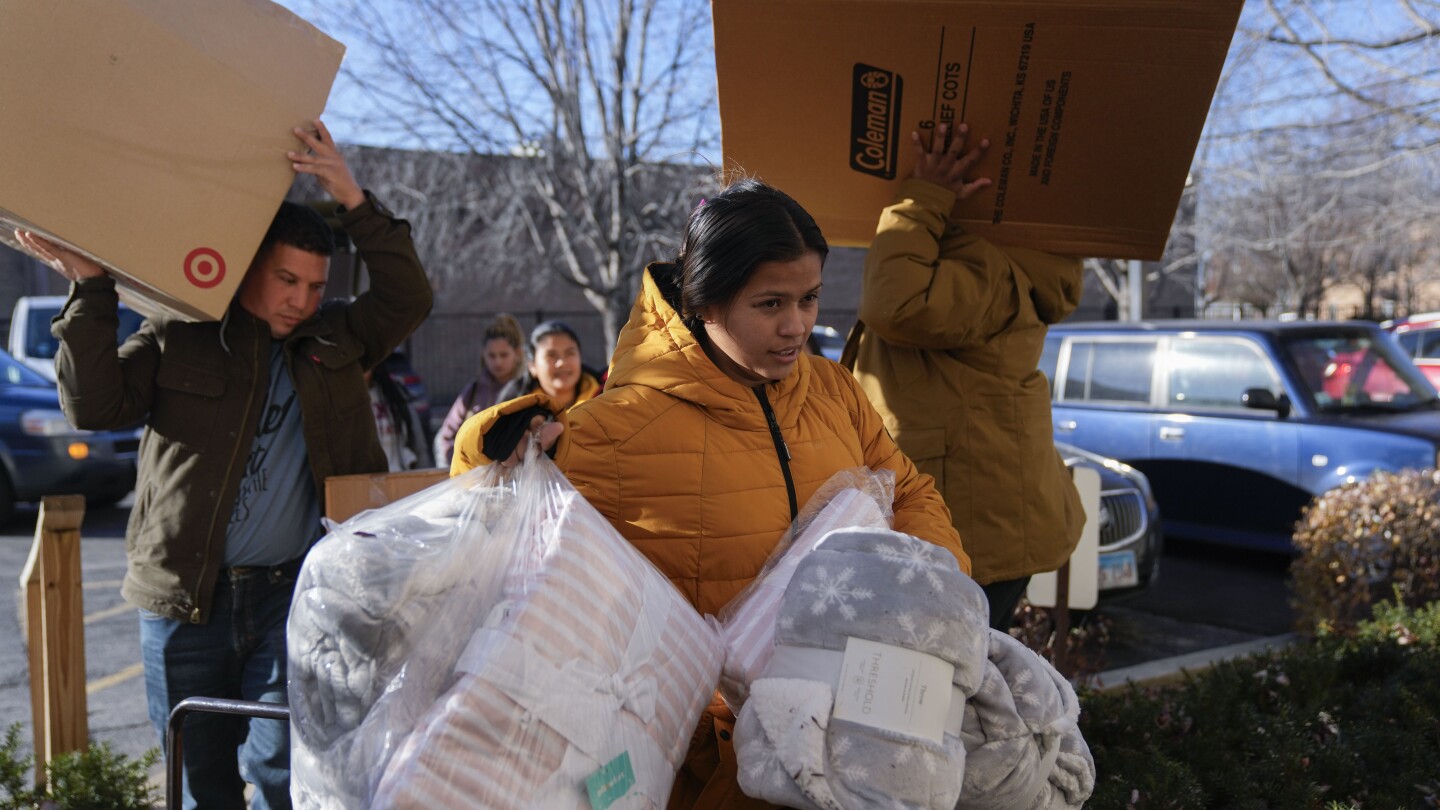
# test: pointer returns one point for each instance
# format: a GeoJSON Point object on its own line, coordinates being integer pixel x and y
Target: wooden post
{"type": "Point", "coordinates": [1061, 653]}
{"type": "Point", "coordinates": [55, 631]}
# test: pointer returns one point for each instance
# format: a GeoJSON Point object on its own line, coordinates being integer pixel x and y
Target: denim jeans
{"type": "Point", "coordinates": [240, 654]}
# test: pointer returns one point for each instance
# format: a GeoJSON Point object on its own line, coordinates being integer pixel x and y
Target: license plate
{"type": "Point", "coordinates": [1117, 570]}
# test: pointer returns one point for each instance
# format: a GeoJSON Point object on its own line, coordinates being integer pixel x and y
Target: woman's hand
{"type": "Point", "coordinates": [946, 163]}
{"type": "Point", "coordinates": [548, 431]}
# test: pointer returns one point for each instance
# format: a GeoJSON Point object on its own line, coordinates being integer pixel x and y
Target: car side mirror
{"type": "Point", "coordinates": [1263, 399]}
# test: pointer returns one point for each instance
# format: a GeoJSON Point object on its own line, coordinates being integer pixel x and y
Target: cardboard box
{"type": "Point", "coordinates": [349, 495]}
{"type": "Point", "coordinates": [151, 134]}
{"type": "Point", "coordinates": [1093, 110]}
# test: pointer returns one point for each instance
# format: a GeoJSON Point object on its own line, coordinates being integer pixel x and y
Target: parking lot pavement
{"type": "Point", "coordinates": [1207, 597]}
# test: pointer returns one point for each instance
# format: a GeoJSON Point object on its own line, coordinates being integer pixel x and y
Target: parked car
{"type": "Point", "coordinates": [1419, 337]}
{"type": "Point", "coordinates": [1239, 424]}
{"type": "Point", "coordinates": [1131, 537]}
{"type": "Point", "coordinates": [831, 342]}
{"type": "Point", "coordinates": [30, 340]}
{"type": "Point", "coordinates": [41, 454]}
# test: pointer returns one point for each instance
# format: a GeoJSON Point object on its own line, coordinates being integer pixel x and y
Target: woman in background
{"type": "Point", "coordinates": [555, 368]}
{"type": "Point", "coordinates": [502, 360]}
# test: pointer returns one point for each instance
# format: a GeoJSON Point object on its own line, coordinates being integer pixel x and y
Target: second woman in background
{"type": "Point", "coordinates": [555, 368]}
{"type": "Point", "coordinates": [503, 358]}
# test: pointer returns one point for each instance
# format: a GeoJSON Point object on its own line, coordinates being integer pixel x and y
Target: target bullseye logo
{"type": "Point", "coordinates": [204, 267]}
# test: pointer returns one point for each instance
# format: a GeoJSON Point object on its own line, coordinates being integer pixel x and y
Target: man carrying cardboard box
{"type": "Point", "coordinates": [947, 348]}
{"type": "Point", "coordinates": [245, 419]}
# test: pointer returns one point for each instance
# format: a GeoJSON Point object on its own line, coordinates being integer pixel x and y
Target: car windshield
{"type": "Point", "coordinates": [1354, 372]}
{"type": "Point", "coordinates": [39, 343]}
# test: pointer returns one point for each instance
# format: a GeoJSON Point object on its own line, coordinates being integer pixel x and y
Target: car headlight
{"type": "Point", "coordinates": [48, 423]}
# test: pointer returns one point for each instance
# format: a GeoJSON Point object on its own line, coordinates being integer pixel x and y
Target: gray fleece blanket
{"type": "Point", "coordinates": [365, 637]}
{"type": "Point", "coordinates": [880, 586]}
{"type": "Point", "coordinates": [1009, 736]}
{"type": "Point", "coordinates": [1023, 747]}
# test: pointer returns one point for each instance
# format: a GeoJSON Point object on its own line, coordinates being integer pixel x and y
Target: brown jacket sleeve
{"type": "Point", "coordinates": [399, 297]}
{"type": "Point", "coordinates": [103, 386]}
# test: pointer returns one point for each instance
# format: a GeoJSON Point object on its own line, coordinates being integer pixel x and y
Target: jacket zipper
{"type": "Point", "coordinates": [781, 448]}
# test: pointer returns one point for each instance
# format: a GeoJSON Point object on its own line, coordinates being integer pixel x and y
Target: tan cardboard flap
{"type": "Point", "coordinates": [154, 132]}
{"type": "Point", "coordinates": [349, 495]}
{"type": "Point", "coordinates": [1093, 110]}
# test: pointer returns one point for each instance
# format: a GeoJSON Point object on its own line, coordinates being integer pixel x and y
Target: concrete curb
{"type": "Point", "coordinates": [1173, 670]}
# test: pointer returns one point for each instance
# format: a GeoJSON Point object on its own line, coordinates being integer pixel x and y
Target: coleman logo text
{"type": "Point", "coordinates": [874, 121]}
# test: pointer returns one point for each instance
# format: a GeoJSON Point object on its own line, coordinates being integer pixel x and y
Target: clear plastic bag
{"type": "Point", "coordinates": [491, 642]}
{"type": "Point", "coordinates": [855, 497]}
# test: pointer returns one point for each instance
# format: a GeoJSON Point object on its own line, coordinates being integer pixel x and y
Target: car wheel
{"type": "Point", "coordinates": [7, 499]}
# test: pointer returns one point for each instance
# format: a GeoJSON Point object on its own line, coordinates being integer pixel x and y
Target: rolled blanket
{"type": "Point", "coordinates": [873, 620]}
{"type": "Point", "coordinates": [593, 667]}
{"type": "Point", "coordinates": [1023, 746]}
{"type": "Point", "coordinates": [748, 622]}
{"type": "Point", "coordinates": [366, 636]}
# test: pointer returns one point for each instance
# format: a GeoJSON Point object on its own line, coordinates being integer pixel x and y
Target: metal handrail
{"type": "Point", "coordinates": [175, 733]}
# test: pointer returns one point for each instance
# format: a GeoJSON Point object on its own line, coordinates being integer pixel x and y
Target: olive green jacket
{"type": "Point", "coordinates": [950, 334]}
{"type": "Point", "coordinates": [200, 388]}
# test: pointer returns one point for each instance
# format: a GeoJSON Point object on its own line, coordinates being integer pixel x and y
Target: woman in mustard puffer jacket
{"type": "Point", "coordinates": [715, 426]}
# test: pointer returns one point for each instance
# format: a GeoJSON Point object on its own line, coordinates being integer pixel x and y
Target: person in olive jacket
{"type": "Point", "coordinates": [245, 418]}
{"type": "Point", "coordinates": [947, 347]}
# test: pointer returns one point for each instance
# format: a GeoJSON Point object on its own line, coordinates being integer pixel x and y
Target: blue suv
{"type": "Point", "coordinates": [1238, 425]}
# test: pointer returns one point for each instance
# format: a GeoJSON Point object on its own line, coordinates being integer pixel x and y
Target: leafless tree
{"type": "Point", "coordinates": [605, 106]}
{"type": "Point", "coordinates": [1377, 54]}
{"type": "Point", "coordinates": [1325, 111]}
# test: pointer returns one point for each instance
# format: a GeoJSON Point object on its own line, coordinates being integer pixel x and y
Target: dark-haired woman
{"type": "Point", "coordinates": [555, 369]}
{"type": "Point", "coordinates": [502, 357]}
{"type": "Point", "coordinates": [715, 426]}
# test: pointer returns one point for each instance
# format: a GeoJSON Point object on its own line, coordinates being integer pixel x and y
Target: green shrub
{"type": "Point", "coordinates": [1342, 721]}
{"type": "Point", "coordinates": [96, 779]}
{"type": "Point", "coordinates": [1361, 542]}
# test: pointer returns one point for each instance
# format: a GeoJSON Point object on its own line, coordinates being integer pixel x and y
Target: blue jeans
{"type": "Point", "coordinates": [240, 654]}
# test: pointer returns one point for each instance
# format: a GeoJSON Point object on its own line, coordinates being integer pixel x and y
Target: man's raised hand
{"type": "Point", "coordinates": [66, 262]}
{"type": "Point", "coordinates": [323, 159]}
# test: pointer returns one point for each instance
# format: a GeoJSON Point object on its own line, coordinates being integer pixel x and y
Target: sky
{"type": "Point", "coordinates": [345, 98]}
{"type": "Point", "coordinates": [349, 101]}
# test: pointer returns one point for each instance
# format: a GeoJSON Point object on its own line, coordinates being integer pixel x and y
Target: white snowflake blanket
{"type": "Point", "coordinates": [856, 497]}
{"type": "Point", "coordinates": [1010, 738]}
{"type": "Point", "coordinates": [1022, 742]}
{"type": "Point", "coordinates": [879, 586]}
